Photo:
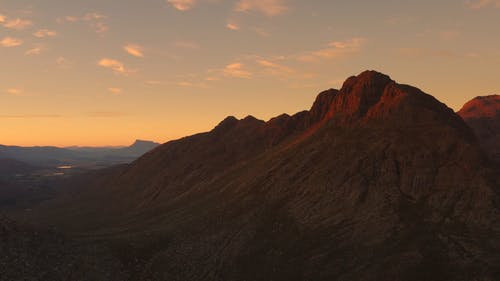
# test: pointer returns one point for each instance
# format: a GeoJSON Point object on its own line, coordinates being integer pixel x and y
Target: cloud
{"type": "Point", "coordinates": [94, 20]}
{"type": "Point", "coordinates": [267, 7]}
{"type": "Point", "coordinates": [479, 4]}
{"type": "Point", "coordinates": [45, 33]}
{"type": "Point", "coordinates": [71, 19]}
{"type": "Point", "coordinates": [182, 5]}
{"type": "Point", "coordinates": [335, 50]}
{"type": "Point", "coordinates": [107, 114]}
{"type": "Point", "coordinates": [153, 82]}
{"type": "Point", "coordinates": [62, 62]}
{"type": "Point", "coordinates": [276, 69]}
{"type": "Point", "coordinates": [100, 27]}
{"type": "Point", "coordinates": [134, 50]}
{"type": "Point", "coordinates": [237, 70]}
{"type": "Point", "coordinates": [34, 51]}
{"type": "Point", "coordinates": [14, 91]}
{"type": "Point", "coordinates": [232, 26]}
{"type": "Point", "coordinates": [29, 116]}
{"type": "Point", "coordinates": [2, 18]}
{"type": "Point", "coordinates": [17, 24]}
{"type": "Point", "coordinates": [115, 91]}
{"type": "Point", "coordinates": [397, 20]}
{"type": "Point", "coordinates": [11, 42]}
{"type": "Point", "coordinates": [117, 66]}
{"type": "Point", "coordinates": [93, 16]}
{"type": "Point", "coordinates": [184, 84]}
{"type": "Point", "coordinates": [417, 52]}
{"type": "Point", "coordinates": [212, 79]}
{"type": "Point", "coordinates": [261, 32]}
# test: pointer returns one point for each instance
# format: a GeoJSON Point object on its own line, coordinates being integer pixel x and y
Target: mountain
{"type": "Point", "coordinates": [137, 149]}
{"type": "Point", "coordinates": [40, 156]}
{"type": "Point", "coordinates": [483, 115]}
{"type": "Point", "coordinates": [377, 181]}
{"type": "Point", "coordinates": [78, 156]}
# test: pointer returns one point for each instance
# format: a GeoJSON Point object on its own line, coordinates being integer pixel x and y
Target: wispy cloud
{"type": "Point", "coordinates": [117, 66]}
{"type": "Point", "coordinates": [68, 19]}
{"type": "Point", "coordinates": [45, 33]}
{"type": "Point", "coordinates": [418, 52]}
{"type": "Point", "coordinates": [335, 50]}
{"type": "Point", "coordinates": [95, 20]}
{"type": "Point", "coordinates": [153, 82]}
{"type": "Point", "coordinates": [267, 7]}
{"type": "Point", "coordinates": [115, 90]}
{"type": "Point", "coordinates": [237, 70]}
{"type": "Point", "coordinates": [14, 91]}
{"type": "Point", "coordinates": [479, 4]}
{"type": "Point", "coordinates": [106, 114]}
{"type": "Point", "coordinates": [11, 42]}
{"type": "Point", "coordinates": [261, 32]}
{"type": "Point", "coordinates": [232, 26]}
{"type": "Point", "coordinates": [275, 69]}
{"type": "Point", "coordinates": [93, 16]}
{"type": "Point", "coordinates": [63, 62]}
{"type": "Point", "coordinates": [30, 116]}
{"type": "Point", "coordinates": [398, 20]}
{"type": "Point", "coordinates": [34, 51]}
{"type": "Point", "coordinates": [17, 24]}
{"type": "Point", "coordinates": [100, 28]}
{"type": "Point", "coordinates": [134, 50]}
{"type": "Point", "coordinates": [182, 5]}
{"type": "Point", "coordinates": [3, 18]}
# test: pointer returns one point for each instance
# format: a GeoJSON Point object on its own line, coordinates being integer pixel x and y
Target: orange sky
{"type": "Point", "coordinates": [108, 72]}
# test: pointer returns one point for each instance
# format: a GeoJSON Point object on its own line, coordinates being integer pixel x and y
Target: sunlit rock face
{"type": "Point", "coordinates": [483, 115]}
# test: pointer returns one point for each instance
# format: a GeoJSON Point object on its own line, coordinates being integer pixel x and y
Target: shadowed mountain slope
{"type": "Point", "coordinates": [28, 254]}
{"type": "Point", "coordinates": [377, 181]}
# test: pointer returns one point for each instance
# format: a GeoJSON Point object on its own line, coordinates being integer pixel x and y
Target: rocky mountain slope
{"type": "Point", "coordinates": [483, 115]}
{"type": "Point", "coordinates": [377, 181]}
{"type": "Point", "coordinates": [28, 254]}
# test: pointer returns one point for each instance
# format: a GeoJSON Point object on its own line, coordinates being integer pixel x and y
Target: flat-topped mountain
{"type": "Point", "coordinates": [377, 181]}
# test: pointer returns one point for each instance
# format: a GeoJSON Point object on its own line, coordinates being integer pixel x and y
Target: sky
{"type": "Point", "coordinates": [107, 72]}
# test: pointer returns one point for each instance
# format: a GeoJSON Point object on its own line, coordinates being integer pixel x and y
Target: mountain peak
{"type": "Point", "coordinates": [367, 97]}
{"type": "Point", "coordinates": [226, 124]}
{"type": "Point", "coordinates": [368, 77]}
{"type": "Point", "coordinates": [481, 107]}
{"type": "Point", "coordinates": [482, 114]}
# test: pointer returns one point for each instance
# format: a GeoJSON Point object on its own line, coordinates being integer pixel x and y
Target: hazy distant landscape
{"type": "Point", "coordinates": [275, 140]}
{"type": "Point", "coordinates": [30, 175]}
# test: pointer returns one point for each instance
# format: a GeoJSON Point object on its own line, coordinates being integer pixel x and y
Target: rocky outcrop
{"type": "Point", "coordinates": [482, 114]}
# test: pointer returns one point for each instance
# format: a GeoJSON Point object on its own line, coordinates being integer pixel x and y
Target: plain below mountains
{"type": "Point", "coordinates": [377, 181]}
{"type": "Point", "coordinates": [76, 156]}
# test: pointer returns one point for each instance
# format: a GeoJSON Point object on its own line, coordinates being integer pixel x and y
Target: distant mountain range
{"type": "Point", "coordinates": [377, 181]}
{"type": "Point", "coordinates": [80, 156]}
